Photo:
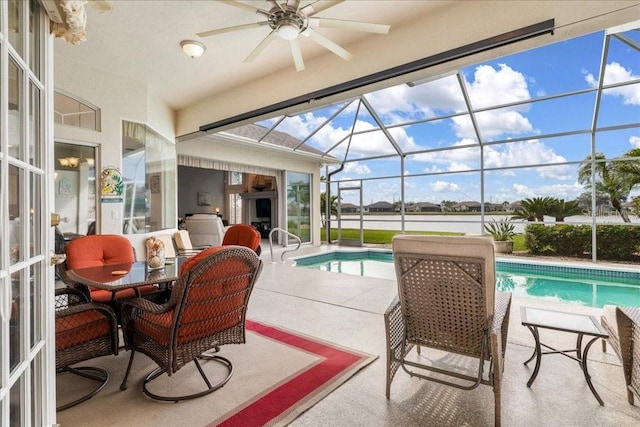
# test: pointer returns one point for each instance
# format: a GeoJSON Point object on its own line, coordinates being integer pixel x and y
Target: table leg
{"type": "Point", "coordinates": [537, 353]}
{"type": "Point", "coordinates": [583, 364]}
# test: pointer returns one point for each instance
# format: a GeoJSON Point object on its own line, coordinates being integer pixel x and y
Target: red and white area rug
{"type": "Point", "coordinates": [277, 375]}
{"type": "Point", "coordinates": [286, 400]}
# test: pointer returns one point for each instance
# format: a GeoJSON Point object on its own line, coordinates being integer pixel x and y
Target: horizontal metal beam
{"type": "Point", "coordinates": [545, 27]}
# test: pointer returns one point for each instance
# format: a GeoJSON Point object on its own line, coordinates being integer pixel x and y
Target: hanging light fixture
{"type": "Point", "coordinates": [193, 48]}
{"type": "Point", "coordinates": [69, 162]}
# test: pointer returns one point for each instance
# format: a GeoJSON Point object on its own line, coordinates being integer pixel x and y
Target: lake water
{"type": "Point", "coordinates": [468, 224]}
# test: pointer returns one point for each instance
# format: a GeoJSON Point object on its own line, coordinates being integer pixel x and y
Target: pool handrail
{"type": "Point", "coordinates": [286, 250]}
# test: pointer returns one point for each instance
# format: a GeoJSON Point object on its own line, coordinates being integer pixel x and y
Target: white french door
{"type": "Point", "coordinates": [27, 369]}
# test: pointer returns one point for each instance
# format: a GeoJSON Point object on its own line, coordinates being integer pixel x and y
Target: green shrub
{"type": "Point", "coordinates": [615, 242]}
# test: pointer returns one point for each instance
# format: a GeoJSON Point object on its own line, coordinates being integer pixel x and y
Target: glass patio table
{"type": "Point", "coordinates": [581, 324]}
{"type": "Point", "coordinates": [116, 277]}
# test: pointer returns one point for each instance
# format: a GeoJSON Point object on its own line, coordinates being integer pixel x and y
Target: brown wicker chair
{"type": "Point", "coordinates": [623, 326]}
{"type": "Point", "coordinates": [447, 301]}
{"type": "Point", "coordinates": [207, 308]}
{"type": "Point", "coordinates": [84, 331]}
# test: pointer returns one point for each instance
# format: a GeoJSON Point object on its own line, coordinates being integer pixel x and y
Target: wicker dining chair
{"type": "Point", "coordinates": [98, 250]}
{"type": "Point", "coordinates": [243, 235]}
{"type": "Point", "coordinates": [84, 331]}
{"type": "Point", "coordinates": [447, 301]}
{"type": "Point", "coordinates": [207, 309]}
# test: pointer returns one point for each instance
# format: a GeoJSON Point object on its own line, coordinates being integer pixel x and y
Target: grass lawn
{"type": "Point", "coordinates": [385, 236]}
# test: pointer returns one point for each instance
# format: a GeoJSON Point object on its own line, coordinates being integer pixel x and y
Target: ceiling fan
{"type": "Point", "coordinates": [289, 19]}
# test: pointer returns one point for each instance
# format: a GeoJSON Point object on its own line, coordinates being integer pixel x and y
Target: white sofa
{"type": "Point", "coordinates": [205, 230]}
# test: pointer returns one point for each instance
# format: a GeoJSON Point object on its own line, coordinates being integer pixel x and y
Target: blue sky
{"type": "Point", "coordinates": [535, 163]}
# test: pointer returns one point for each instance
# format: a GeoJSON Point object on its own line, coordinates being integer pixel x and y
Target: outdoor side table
{"type": "Point", "coordinates": [581, 324]}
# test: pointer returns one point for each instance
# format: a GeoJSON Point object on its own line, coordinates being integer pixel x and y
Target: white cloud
{"type": "Point", "coordinates": [635, 141]}
{"type": "Point", "coordinates": [527, 153]}
{"type": "Point", "coordinates": [502, 86]}
{"type": "Point", "coordinates": [616, 73]}
{"type": "Point", "coordinates": [560, 191]}
{"type": "Point", "coordinates": [443, 186]}
{"type": "Point", "coordinates": [357, 168]}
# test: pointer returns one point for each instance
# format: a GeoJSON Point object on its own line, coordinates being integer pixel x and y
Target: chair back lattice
{"type": "Point", "coordinates": [443, 301]}
{"type": "Point", "coordinates": [446, 287]}
{"type": "Point", "coordinates": [211, 300]}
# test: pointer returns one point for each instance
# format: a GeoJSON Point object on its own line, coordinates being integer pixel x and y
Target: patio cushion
{"type": "Point", "coordinates": [80, 328]}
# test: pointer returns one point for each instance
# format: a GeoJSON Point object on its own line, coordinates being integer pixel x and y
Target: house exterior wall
{"type": "Point", "coordinates": [118, 99]}
{"type": "Point", "coordinates": [252, 155]}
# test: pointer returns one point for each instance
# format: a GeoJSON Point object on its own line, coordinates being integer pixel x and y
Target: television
{"type": "Point", "coordinates": [263, 208]}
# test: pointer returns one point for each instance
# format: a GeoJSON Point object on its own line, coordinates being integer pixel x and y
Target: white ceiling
{"type": "Point", "coordinates": [140, 40]}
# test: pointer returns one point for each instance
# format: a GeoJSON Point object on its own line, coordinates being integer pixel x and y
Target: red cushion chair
{"type": "Point", "coordinates": [95, 251]}
{"type": "Point", "coordinates": [84, 330]}
{"type": "Point", "coordinates": [207, 309]}
{"type": "Point", "coordinates": [243, 235]}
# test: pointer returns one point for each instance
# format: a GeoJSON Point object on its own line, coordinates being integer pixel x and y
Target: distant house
{"type": "Point", "coordinates": [381, 207]}
{"type": "Point", "coordinates": [349, 208]}
{"type": "Point", "coordinates": [515, 206]}
{"type": "Point", "coordinates": [493, 207]}
{"type": "Point", "coordinates": [466, 207]}
{"type": "Point", "coordinates": [426, 207]}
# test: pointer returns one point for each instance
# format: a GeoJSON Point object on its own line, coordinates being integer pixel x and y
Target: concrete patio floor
{"type": "Point", "coordinates": [348, 310]}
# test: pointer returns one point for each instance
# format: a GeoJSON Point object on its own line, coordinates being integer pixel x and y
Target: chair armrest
{"type": "Point", "coordinates": [394, 324]}
{"type": "Point", "coordinates": [67, 297]}
{"type": "Point", "coordinates": [628, 319]}
{"type": "Point", "coordinates": [500, 324]}
{"type": "Point", "coordinates": [144, 304]}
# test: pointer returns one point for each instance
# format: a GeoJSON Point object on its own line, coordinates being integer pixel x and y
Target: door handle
{"type": "Point", "coordinates": [57, 258]}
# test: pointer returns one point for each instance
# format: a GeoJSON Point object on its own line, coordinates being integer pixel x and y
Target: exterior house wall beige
{"type": "Point", "coordinates": [244, 154]}
{"type": "Point", "coordinates": [118, 99]}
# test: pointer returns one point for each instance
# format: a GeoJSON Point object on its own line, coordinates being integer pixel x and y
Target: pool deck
{"type": "Point", "coordinates": [348, 310]}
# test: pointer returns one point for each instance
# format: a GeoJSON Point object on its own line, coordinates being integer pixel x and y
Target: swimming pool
{"type": "Point", "coordinates": [589, 286]}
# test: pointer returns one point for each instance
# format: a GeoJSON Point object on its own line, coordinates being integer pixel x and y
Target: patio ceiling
{"type": "Point", "coordinates": [141, 40]}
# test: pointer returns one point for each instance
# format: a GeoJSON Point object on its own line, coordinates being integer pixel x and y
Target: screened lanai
{"type": "Point", "coordinates": [547, 122]}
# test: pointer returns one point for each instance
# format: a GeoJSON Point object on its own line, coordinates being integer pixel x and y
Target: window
{"type": "Point", "coordinates": [149, 173]}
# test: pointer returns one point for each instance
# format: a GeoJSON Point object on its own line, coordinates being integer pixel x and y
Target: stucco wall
{"type": "Point", "coordinates": [118, 99]}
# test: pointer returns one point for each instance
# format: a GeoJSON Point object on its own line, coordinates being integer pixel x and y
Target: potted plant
{"type": "Point", "coordinates": [502, 232]}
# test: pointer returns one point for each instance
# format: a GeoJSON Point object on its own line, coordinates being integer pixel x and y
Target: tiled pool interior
{"type": "Point", "coordinates": [587, 285]}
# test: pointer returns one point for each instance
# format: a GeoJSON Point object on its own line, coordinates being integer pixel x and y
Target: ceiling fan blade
{"type": "Point", "coordinates": [244, 6]}
{"type": "Point", "coordinates": [263, 44]}
{"type": "Point", "coordinates": [274, 3]}
{"type": "Point", "coordinates": [297, 54]}
{"type": "Point", "coordinates": [295, 4]}
{"type": "Point", "coordinates": [349, 25]}
{"type": "Point", "coordinates": [325, 42]}
{"type": "Point", "coordinates": [319, 6]}
{"type": "Point", "coordinates": [230, 29]}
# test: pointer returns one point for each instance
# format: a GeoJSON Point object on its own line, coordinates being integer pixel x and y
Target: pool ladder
{"type": "Point", "coordinates": [286, 250]}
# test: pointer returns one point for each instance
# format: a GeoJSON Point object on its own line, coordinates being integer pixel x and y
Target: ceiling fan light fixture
{"type": "Point", "coordinates": [193, 48]}
{"type": "Point", "coordinates": [288, 31]}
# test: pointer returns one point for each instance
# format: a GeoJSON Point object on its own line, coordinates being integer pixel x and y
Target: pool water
{"type": "Point", "coordinates": [593, 287]}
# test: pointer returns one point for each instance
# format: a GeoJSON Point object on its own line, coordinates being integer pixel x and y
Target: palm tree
{"type": "Point", "coordinates": [630, 169]}
{"type": "Point", "coordinates": [333, 201]}
{"type": "Point", "coordinates": [608, 179]}
{"type": "Point", "coordinates": [561, 209]}
{"type": "Point", "coordinates": [535, 208]}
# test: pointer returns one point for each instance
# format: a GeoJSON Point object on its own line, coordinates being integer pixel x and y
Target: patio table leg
{"type": "Point", "coordinates": [583, 364]}
{"type": "Point", "coordinates": [537, 353]}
